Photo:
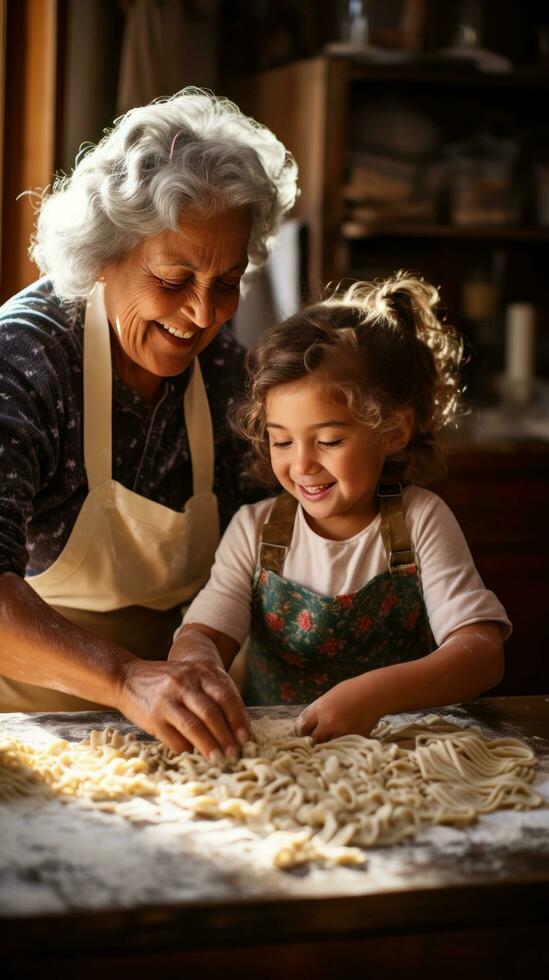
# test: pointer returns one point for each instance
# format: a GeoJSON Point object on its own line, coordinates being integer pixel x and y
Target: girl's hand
{"type": "Point", "coordinates": [346, 709]}
{"type": "Point", "coordinates": [468, 662]}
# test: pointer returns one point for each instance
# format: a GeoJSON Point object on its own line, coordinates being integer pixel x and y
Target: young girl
{"type": "Point", "coordinates": [355, 585]}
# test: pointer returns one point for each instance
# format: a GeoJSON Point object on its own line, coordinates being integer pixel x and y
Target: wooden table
{"type": "Point", "coordinates": [89, 896]}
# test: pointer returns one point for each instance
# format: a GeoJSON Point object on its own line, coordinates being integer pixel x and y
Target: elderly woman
{"type": "Point", "coordinates": [115, 450]}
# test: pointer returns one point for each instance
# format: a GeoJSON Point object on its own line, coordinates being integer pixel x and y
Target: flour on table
{"type": "Point", "coordinates": [269, 729]}
{"type": "Point", "coordinates": [323, 801]}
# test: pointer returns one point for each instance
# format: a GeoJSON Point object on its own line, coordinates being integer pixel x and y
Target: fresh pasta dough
{"type": "Point", "coordinates": [323, 801]}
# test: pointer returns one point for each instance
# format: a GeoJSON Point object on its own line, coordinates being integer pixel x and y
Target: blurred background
{"type": "Point", "coordinates": [421, 130]}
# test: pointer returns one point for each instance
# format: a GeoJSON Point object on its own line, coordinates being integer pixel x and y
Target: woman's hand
{"type": "Point", "coordinates": [190, 700]}
{"type": "Point", "coordinates": [346, 709]}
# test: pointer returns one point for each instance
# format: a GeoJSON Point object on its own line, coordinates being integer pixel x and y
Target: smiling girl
{"type": "Point", "coordinates": [355, 585]}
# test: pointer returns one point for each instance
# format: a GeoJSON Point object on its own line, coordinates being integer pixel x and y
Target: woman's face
{"type": "Point", "coordinates": [168, 298]}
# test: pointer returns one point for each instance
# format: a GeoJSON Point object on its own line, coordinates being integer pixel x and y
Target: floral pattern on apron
{"type": "Point", "coordinates": [303, 643]}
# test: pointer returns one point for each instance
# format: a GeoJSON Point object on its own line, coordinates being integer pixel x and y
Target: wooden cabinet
{"type": "Point", "coordinates": [500, 497]}
{"type": "Point", "coordinates": [312, 105]}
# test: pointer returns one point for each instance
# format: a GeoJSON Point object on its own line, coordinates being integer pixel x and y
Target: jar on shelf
{"type": "Point", "coordinates": [482, 186]}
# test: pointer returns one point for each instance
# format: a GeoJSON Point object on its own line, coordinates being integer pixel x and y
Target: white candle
{"type": "Point", "coordinates": [519, 351]}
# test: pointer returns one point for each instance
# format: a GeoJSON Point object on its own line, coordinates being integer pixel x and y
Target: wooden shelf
{"type": "Point", "coordinates": [308, 104]}
{"type": "Point", "coordinates": [521, 78]}
{"type": "Point", "coordinates": [397, 229]}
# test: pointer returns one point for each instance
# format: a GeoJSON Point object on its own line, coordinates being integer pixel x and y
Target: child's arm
{"type": "Point", "coordinates": [196, 639]}
{"type": "Point", "coordinates": [469, 662]}
{"type": "Point", "coordinates": [218, 619]}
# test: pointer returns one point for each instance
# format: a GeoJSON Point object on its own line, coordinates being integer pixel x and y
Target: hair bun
{"type": "Point", "coordinates": [403, 300]}
{"type": "Point", "coordinates": [408, 301]}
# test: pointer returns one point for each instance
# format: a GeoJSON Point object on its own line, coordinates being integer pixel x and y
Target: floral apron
{"type": "Point", "coordinates": [303, 643]}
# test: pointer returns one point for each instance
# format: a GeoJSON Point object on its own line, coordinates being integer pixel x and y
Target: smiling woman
{"type": "Point", "coordinates": [117, 460]}
{"type": "Point", "coordinates": [170, 296]}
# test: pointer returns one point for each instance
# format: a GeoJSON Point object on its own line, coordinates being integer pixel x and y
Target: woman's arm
{"type": "Point", "coordinates": [181, 703]}
{"type": "Point", "coordinates": [469, 662]}
{"type": "Point", "coordinates": [198, 645]}
{"type": "Point", "coordinates": [39, 646]}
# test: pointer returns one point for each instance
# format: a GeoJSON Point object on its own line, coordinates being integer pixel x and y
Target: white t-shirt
{"type": "Point", "coordinates": [453, 591]}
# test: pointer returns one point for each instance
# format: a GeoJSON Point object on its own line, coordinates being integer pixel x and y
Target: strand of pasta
{"type": "Point", "coordinates": [327, 797]}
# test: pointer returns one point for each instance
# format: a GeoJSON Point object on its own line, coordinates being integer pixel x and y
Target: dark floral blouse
{"type": "Point", "coordinates": [42, 477]}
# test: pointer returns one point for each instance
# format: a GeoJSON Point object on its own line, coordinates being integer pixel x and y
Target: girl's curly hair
{"type": "Point", "coordinates": [381, 347]}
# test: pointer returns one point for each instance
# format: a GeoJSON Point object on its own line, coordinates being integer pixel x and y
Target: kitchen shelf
{"type": "Point", "coordinates": [520, 78]}
{"type": "Point", "coordinates": [309, 104]}
{"type": "Point", "coordinates": [359, 229]}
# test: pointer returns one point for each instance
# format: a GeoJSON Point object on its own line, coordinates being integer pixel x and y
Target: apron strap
{"type": "Point", "coordinates": [394, 532]}
{"type": "Point", "coordinates": [198, 420]}
{"type": "Point", "coordinates": [98, 405]}
{"type": "Point", "coordinates": [276, 533]}
{"type": "Point", "coordinates": [97, 390]}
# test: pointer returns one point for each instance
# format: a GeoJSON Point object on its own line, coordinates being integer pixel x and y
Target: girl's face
{"type": "Point", "coordinates": [324, 457]}
{"type": "Point", "coordinates": [168, 298]}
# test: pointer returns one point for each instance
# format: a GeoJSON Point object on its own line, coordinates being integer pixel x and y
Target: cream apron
{"type": "Point", "coordinates": [128, 561]}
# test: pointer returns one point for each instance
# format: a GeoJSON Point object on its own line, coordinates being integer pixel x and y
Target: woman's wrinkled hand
{"type": "Point", "coordinates": [346, 709]}
{"type": "Point", "coordinates": [186, 702]}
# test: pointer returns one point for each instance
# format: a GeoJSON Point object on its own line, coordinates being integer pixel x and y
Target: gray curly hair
{"type": "Point", "coordinates": [192, 150]}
